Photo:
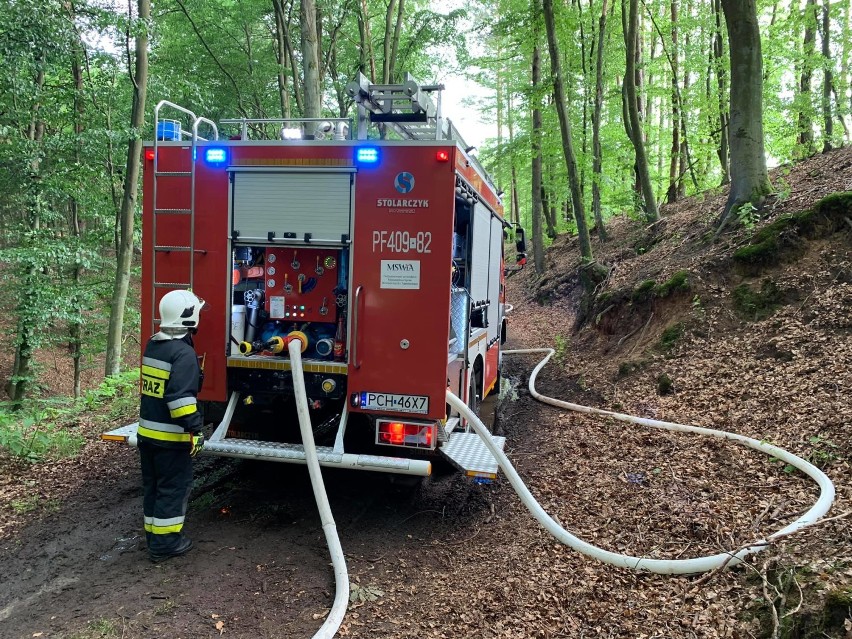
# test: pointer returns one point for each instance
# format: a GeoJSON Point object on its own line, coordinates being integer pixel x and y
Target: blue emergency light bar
{"type": "Point", "coordinates": [367, 155]}
{"type": "Point", "coordinates": [215, 155]}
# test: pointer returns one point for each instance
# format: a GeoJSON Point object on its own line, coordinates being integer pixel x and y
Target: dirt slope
{"type": "Point", "coordinates": [451, 559]}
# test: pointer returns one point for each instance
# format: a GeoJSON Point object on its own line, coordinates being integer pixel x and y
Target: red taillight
{"type": "Point", "coordinates": [396, 433]}
{"type": "Point", "coordinates": [402, 434]}
{"type": "Point", "coordinates": [149, 154]}
{"type": "Point", "coordinates": [442, 156]}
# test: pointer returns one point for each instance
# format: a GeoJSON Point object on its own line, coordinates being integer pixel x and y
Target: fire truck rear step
{"type": "Point", "coordinates": [467, 452]}
{"type": "Point", "coordinates": [294, 454]}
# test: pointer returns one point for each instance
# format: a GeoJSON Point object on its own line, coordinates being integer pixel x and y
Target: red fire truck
{"type": "Point", "coordinates": [379, 240]}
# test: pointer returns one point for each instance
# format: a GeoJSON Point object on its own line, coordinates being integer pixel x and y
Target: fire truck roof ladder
{"type": "Point", "coordinates": [172, 175]}
{"type": "Point", "coordinates": [406, 108]}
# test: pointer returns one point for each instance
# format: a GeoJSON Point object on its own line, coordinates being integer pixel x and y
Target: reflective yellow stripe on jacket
{"type": "Point", "coordinates": [163, 432]}
{"type": "Point", "coordinates": [182, 406]}
{"type": "Point", "coordinates": [155, 374]}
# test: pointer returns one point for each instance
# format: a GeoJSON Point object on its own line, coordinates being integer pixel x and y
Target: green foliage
{"type": "Point", "coordinates": [628, 367]}
{"type": "Point", "coordinates": [698, 307]}
{"type": "Point", "coordinates": [32, 503]}
{"type": "Point", "coordinates": [828, 216]}
{"type": "Point", "coordinates": [824, 451]}
{"type": "Point", "coordinates": [48, 429]}
{"type": "Point", "coordinates": [119, 393]}
{"type": "Point", "coordinates": [782, 239]}
{"type": "Point", "coordinates": [665, 385]}
{"type": "Point", "coordinates": [644, 292]}
{"type": "Point", "coordinates": [58, 175]}
{"type": "Point", "coordinates": [759, 304]}
{"type": "Point", "coordinates": [782, 189]}
{"type": "Point", "coordinates": [747, 215]}
{"type": "Point", "coordinates": [649, 289]}
{"type": "Point", "coordinates": [99, 629]}
{"type": "Point", "coordinates": [33, 435]}
{"type": "Point", "coordinates": [670, 337]}
{"type": "Point", "coordinates": [561, 348]}
{"type": "Point", "coordinates": [677, 283]}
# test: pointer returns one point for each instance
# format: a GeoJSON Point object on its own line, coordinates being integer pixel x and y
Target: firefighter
{"type": "Point", "coordinates": [169, 433]}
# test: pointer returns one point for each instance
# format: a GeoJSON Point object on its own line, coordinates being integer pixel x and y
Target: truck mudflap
{"type": "Point", "coordinates": [293, 454]}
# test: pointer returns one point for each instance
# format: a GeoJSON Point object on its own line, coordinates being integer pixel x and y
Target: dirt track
{"type": "Point", "coordinates": [260, 564]}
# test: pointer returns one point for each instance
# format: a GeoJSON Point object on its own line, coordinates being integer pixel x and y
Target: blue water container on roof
{"type": "Point", "coordinates": [168, 130]}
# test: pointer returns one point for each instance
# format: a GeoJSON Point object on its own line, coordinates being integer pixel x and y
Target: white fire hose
{"type": "Point", "coordinates": [341, 576]}
{"type": "Point", "coordinates": [660, 566]}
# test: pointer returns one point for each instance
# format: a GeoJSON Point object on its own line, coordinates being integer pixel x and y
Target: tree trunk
{"type": "Point", "coordinates": [565, 131]}
{"type": "Point", "coordinates": [75, 324]}
{"type": "Point", "coordinates": [515, 210]}
{"type": "Point", "coordinates": [124, 259]}
{"type": "Point", "coordinates": [397, 31]}
{"type": "Point", "coordinates": [386, 53]}
{"type": "Point", "coordinates": [19, 380]}
{"type": "Point", "coordinates": [298, 85]}
{"type": "Point", "coordinates": [674, 161]}
{"type": "Point", "coordinates": [597, 161]}
{"type": "Point", "coordinates": [684, 159]}
{"type": "Point", "coordinates": [749, 176]}
{"type": "Point", "coordinates": [846, 69]}
{"type": "Point", "coordinates": [548, 205]}
{"type": "Point", "coordinates": [587, 95]}
{"type": "Point", "coordinates": [366, 41]}
{"type": "Point", "coordinates": [806, 127]}
{"type": "Point", "coordinates": [644, 174]}
{"type": "Point", "coordinates": [281, 57]}
{"type": "Point", "coordinates": [827, 79]}
{"type": "Point", "coordinates": [537, 213]}
{"type": "Point", "coordinates": [310, 60]}
{"type": "Point", "coordinates": [724, 117]}
{"type": "Point", "coordinates": [500, 97]}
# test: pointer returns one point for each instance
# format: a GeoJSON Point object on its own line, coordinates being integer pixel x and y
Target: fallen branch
{"type": "Point", "coordinates": [765, 542]}
{"type": "Point", "coordinates": [641, 335]}
{"type": "Point", "coordinates": [776, 623]}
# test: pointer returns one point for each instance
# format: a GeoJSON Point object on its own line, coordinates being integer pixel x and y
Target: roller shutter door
{"type": "Point", "coordinates": [292, 204]}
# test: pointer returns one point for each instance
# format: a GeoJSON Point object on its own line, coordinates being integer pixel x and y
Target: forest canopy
{"type": "Point", "coordinates": [599, 108]}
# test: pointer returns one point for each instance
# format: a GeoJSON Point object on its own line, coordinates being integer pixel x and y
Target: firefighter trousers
{"type": "Point", "coordinates": [166, 484]}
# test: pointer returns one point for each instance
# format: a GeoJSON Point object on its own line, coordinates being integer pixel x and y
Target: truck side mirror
{"type": "Point", "coordinates": [521, 244]}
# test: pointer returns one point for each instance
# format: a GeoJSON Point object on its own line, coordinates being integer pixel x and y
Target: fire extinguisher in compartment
{"type": "Point", "coordinates": [340, 339]}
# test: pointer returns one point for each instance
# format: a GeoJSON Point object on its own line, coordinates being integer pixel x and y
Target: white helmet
{"type": "Point", "coordinates": [179, 311]}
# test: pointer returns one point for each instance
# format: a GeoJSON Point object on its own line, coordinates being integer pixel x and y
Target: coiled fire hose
{"type": "Point", "coordinates": [341, 575]}
{"type": "Point", "coordinates": [660, 566]}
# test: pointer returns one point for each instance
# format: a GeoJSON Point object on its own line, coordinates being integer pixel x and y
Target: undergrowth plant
{"type": "Point", "coordinates": [561, 348]}
{"type": "Point", "coordinates": [748, 215]}
{"type": "Point", "coordinates": [50, 429]}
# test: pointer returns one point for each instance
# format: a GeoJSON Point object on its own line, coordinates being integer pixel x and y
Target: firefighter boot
{"type": "Point", "coordinates": [183, 547]}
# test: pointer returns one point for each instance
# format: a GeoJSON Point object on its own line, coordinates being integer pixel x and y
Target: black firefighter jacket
{"type": "Point", "coordinates": [168, 410]}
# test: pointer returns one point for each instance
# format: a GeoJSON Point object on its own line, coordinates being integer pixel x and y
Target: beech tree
{"type": "Point", "coordinates": [310, 58]}
{"type": "Point", "coordinates": [637, 136]}
{"type": "Point", "coordinates": [565, 134]}
{"type": "Point", "coordinates": [749, 175]}
{"type": "Point", "coordinates": [124, 259]}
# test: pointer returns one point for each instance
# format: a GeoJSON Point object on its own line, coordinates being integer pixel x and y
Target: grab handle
{"type": "Point", "coordinates": [356, 335]}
